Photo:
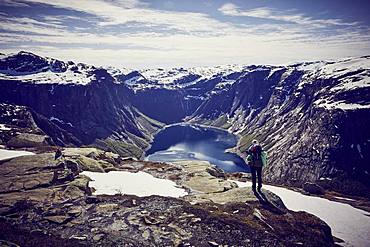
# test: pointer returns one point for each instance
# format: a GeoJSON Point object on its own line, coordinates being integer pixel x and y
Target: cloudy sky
{"type": "Point", "coordinates": [161, 33]}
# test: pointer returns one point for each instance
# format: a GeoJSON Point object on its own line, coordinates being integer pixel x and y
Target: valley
{"type": "Point", "coordinates": [312, 118]}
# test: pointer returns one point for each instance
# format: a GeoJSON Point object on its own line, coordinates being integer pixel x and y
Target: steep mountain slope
{"type": "Point", "coordinates": [90, 106]}
{"type": "Point", "coordinates": [20, 119]}
{"type": "Point", "coordinates": [311, 117]}
{"type": "Point", "coordinates": [169, 95]}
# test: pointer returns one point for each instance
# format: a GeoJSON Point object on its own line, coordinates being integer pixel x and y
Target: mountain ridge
{"type": "Point", "coordinates": [308, 115]}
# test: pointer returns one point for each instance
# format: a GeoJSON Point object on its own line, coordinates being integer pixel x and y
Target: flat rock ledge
{"type": "Point", "coordinates": [46, 202]}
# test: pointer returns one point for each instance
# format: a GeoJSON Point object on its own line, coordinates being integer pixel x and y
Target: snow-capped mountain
{"type": "Point", "coordinates": [173, 78]}
{"type": "Point", "coordinates": [331, 81]}
{"type": "Point", "coordinates": [89, 105]}
{"type": "Point", "coordinates": [28, 67]}
{"type": "Point", "coordinates": [181, 90]}
{"type": "Point", "coordinates": [312, 117]}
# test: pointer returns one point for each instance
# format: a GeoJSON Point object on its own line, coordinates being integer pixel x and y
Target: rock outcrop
{"type": "Point", "coordinates": [22, 123]}
{"type": "Point", "coordinates": [313, 188]}
{"type": "Point", "coordinates": [46, 202]}
{"type": "Point", "coordinates": [312, 118]}
{"type": "Point", "coordinates": [25, 140]}
{"type": "Point", "coordinates": [83, 102]}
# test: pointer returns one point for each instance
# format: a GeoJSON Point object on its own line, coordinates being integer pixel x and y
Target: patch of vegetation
{"type": "Point", "coordinates": [245, 141]}
{"type": "Point", "coordinates": [154, 123]}
{"type": "Point", "coordinates": [139, 142]}
{"type": "Point", "coordinates": [221, 122]}
{"type": "Point", "coordinates": [122, 148]}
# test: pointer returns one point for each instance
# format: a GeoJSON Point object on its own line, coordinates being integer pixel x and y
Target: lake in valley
{"type": "Point", "coordinates": [194, 142]}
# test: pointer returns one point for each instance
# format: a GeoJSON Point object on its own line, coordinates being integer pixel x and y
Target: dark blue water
{"type": "Point", "coordinates": [192, 142]}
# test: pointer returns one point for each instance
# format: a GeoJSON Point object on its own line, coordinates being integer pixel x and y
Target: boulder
{"type": "Point", "coordinates": [63, 175]}
{"type": "Point", "coordinates": [200, 177]}
{"type": "Point", "coordinates": [81, 182]}
{"type": "Point", "coordinates": [238, 195]}
{"type": "Point", "coordinates": [72, 192]}
{"type": "Point", "coordinates": [72, 165]}
{"type": "Point", "coordinates": [26, 182]}
{"type": "Point", "coordinates": [89, 152]}
{"type": "Point", "coordinates": [313, 188]}
{"type": "Point", "coordinates": [204, 182]}
{"type": "Point", "coordinates": [26, 140]}
{"type": "Point", "coordinates": [88, 164]}
{"type": "Point", "coordinates": [59, 219]}
{"type": "Point", "coordinates": [28, 164]}
{"type": "Point", "coordinates": [216, 172]}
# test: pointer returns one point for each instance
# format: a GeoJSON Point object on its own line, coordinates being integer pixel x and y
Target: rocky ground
{"type": "Point", "coordinates": [46, 202]}
{"type": "Point", "coordinates": [314, 189]}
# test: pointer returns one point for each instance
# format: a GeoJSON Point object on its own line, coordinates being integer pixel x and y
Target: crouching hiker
{"type": "Point", "coordinates": [256, 159]}
{"type": "Point", "coordinates": [58, 154]}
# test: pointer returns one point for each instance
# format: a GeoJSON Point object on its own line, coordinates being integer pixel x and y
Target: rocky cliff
{"type": "Point", "coordinates": [83, 102]}
{"type": "Point", "coordinates": [49, 202]}
{"type": "Point", "coordinates": [311, 117]}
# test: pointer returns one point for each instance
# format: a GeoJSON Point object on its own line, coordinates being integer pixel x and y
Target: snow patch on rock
{"type": "Point", "coordinates": [139, 184]}
{"type": "Point", "coordinates": [9, 154]}
{"type": "Point", "coordinates": [347, 222]}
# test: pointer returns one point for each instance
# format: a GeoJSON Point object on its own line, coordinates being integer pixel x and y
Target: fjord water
{"type": "Point", "coordinates": [193, 142]}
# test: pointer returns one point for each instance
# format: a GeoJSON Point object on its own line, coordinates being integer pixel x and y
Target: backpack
{"type": "Point", "coordinates": [256, 155]}
{"type": "Point", "coordinates": [264, 158]}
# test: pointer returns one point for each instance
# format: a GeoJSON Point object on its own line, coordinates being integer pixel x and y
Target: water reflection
{"type": "Point", "coordinates": [192, 142]}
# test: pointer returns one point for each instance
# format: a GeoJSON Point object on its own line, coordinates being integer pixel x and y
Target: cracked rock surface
{"type": "Point", "coordinates": [45, 202]}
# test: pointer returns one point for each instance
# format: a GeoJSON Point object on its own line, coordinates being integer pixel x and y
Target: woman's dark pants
{"type": "Point", "coordinates": [256, 171]}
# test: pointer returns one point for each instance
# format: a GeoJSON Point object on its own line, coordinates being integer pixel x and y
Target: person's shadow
{"type": "Point", "coordinates": [266, 203]}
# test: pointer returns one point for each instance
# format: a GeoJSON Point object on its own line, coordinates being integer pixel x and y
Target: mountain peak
{"type": "Point", "coordinates": [27, 53]}
{"type": "Point", "coordinates": [31, 68]}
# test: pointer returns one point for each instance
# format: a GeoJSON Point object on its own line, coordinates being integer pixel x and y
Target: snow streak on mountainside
{"type": "Point", "coordinates": [312, 117]}
{"type": "Point", "coordinates": [192, 88]}
{"type": "Point", "coordinates": [87, 108]}
{"type": "Point", "coordinates": [29, 67]}
{"type": "Point", "coordinates": [174, 78]}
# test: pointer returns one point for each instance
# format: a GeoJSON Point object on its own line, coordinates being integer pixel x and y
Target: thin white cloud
{"type": "Point", "coordinates": [29, 25]}
{"type": "Point", "coordinates": [13, 3]}
{"type": "Point", "coordinates": [59, 19]}
{"type": "Point", "coordinates": [123, 12]}
{"type": "Point", "coordinates": [189, 38]}
{"type": "Point", "coordinates": [273, 14]}
{"type": "Point", "coordinates": [184, 50]}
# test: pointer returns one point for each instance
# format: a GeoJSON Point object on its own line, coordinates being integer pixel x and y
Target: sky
{"type": "Point", "coordinates": [186, 33]}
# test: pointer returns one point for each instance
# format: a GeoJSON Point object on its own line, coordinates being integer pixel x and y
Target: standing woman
{"type": "Point", "coordinates": [256, 158]}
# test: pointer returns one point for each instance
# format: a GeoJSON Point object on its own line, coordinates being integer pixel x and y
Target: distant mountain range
{"type": "Point", "coordinates": [313, 117]}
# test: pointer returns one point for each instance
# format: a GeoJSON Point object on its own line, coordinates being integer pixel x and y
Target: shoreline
{"type": "Point", "coordinates": [357, 202]}
{"type": "Point", "coordinates": [195, 124]}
